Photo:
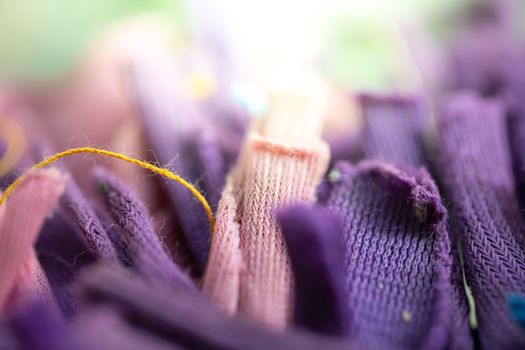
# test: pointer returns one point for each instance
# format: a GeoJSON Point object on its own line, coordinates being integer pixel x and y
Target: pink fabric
{"type": "Point", "coordinates": [222, 279]}
{"type": "Point", "coordinates": [282, 162]}
{"type": "Point", "coordinates": [21, 218]}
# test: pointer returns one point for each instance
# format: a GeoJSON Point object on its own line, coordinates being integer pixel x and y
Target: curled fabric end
{"type": "Point", "coordinates": [415, 184]}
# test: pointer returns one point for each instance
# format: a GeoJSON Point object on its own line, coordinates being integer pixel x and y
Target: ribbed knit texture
{"type": "Point", "coordinates": [282, 161]}
{"type": "Point", "coordinates": [138, 235]}
{"type": "Point", "coordinates": [223, 273]}
{"type": "Point", "coordinates": [63, 251]}
{"type": "Point", "coordinates": [20, 222]}
{"type": "Point", "coordinates": [94, 232]}
{"type": "Point", "coordinates": [476, 171]}
{"type": "Point", "coordinates": [393, 129]}
{"type": "Point", "coordinates": [314, 241]}
{"type": "Point", "coordinates": [397, 257]}
{"type": "Point", "coordinates": [180, 139]}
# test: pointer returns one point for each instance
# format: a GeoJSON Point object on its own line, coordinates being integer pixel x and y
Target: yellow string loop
{"type": "Point", "coordinates": [145, 165]}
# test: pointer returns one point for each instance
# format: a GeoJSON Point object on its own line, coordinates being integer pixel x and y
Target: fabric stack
{"type": "Point", "coordinates": [405, 234]}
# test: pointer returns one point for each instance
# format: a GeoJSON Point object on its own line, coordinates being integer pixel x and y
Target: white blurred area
{"type": "Point", "coordinates": [276, 39]}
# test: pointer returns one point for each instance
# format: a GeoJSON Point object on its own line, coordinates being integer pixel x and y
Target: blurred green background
{"type": "Point", "coordinates": [42, 39]}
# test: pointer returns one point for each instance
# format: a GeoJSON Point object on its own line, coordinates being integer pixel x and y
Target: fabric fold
{"type": "Point", "coordinates": [314, 241]}
{"type": "Point", "coordinates": [138, 236]}
{"type": "Point", "coordinates": [397, 256]}
{"type": "Point", "coordinates": [282, 161]}
{"type": "Point", "coordinates": [21, 218]}
{"type": "Point", "coordinates": [476, 172]}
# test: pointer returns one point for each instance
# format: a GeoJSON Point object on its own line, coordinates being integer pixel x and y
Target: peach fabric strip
{"type": "Point", "coordinates": [282, 161]}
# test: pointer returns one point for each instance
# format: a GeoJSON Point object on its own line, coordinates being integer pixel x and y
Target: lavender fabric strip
{"type": "Point", "coordinates": [397, 257]}
{"type": "Point", "coordinates": [516, 128]}
{"type": "Point", "coordinates": [38, 328]}
{"type": "Point", "coordinates": [393, 129]}
{"type": "Point", "coordinates": [476, 172]}
{"type": "Point", "coordinates": [515, 103]}
{"type": "Point", "coordinates": [62, 251]}
{"type": "Point", "coordinates": [141, 241]}
{"type": "Point", "coordinates": [176, 133]}
{"type": "Point", "coordinates": [314, 240]}
{"type": "Point", "coordinates": [187, 320]}
{"type": "Point", "coordinates": [395, 132]}
{"type": "Point", "coordinates": [95, 234]}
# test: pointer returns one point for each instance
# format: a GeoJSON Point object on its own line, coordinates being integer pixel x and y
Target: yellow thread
{"type": "Point", "coordinates": [164, 172]}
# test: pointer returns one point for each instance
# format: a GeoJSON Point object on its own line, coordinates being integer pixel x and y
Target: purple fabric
{"type": "Point", "coordinates": [393, 129]}
{"type": "Point", "coordinates": [230, 122]}
{"type": "Point", "coordinates": [347, 148]}
{"type": "Point", "coordinates": [141, 241]}
{"type": "Point", "coordinates": [3, 147]}
{"type": "Point", "coordinates": [103, 328]}
{"type": "Point", "coordinates": [516, 129]}
{"type": "Point", "coordinates": [94, 233]}
{"type": "Point", "coordinates": [515, 102]}
{"type": "Point", "coordinates": [395, 132]}
{"type": "Point", "coordinates": [484, 54]}
{"type": "Point", "coordinates": [397, 257]}
{"type": "Point", "coordinates": [177, 135]}
{"type": "Point", "coordinates": [187, 320]}
{"type": "Point", "coordinates": [62, 252]}
{"type": "Point", "coordinates": [115, 233]}
{"type": "Point", "coordinates": [38, 328]}
{"type": "Point", "coordinates": [475, 168]}
{"type": "Point", "coordinates": [314, 240]}
{"type": "Point", "coordinates": [8, 340]}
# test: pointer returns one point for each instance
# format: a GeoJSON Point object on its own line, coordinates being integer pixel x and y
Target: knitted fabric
{"type": "Point", "coordinates": [175, 130]}
{"type": "Point", "coordinates": [314, 240]}
{"type": "Point", "coordinates": [62, 251]}
{"type": "Point", "coordinates": [223, 273]}
{"type": "Point", "coordinates": [94, 232]}
{"type": "Point", "coordinates": [139, 237]}
{"type": "Point", "coordinates": [393, 129]}
{"type": "Point", "coordinates": [31, 284]}
{"type": "Point", "coordinates": [397, 257]}
{"type": "Point", "coordinates": [516, 129]}
{"type": "Point", "coordinates": [36, 327]}
{"type": "Point", "coordinates": [515, 110]}
{"type": "Point", "coordinates": [476, 171]}
{"type": "Point", "coordinates": [20, 223]}
{"type": "Point", "coordinates": [281, 162]}
{"type": "Point", "coordinates": [184, 319]}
